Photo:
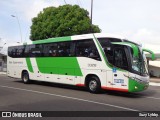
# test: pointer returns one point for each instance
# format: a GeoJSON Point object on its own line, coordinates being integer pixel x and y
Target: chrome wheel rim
{"type": "Point", "coordinates": [25, 78]}
{"type": "Point", "coordinates": [92, 85]}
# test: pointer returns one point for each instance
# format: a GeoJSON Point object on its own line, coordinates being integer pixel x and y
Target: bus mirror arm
{"type": "Point", "coordinates": [151, 52]}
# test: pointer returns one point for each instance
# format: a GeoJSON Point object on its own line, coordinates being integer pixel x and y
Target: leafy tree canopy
{"type": "Point", "coordinates": [64, 20]}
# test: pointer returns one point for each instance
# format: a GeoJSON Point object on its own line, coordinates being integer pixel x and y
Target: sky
{"type": "Point", "coordinates": [136, 20]}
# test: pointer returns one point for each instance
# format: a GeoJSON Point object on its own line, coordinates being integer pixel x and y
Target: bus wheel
{"type": "Point", "coordinates": [94, 85]}
{"type": "Point", "coordinates": [25, 77]}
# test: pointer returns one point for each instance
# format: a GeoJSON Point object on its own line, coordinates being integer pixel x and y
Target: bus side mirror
{"type": "Point", "coordinates": [151, 52]}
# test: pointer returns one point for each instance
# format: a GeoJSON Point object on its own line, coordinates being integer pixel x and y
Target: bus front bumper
{"type": "Point", "coordinates": [137, 85]}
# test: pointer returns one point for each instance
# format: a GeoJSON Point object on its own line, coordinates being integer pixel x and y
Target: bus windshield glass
{"type": "Point", "coordinates": [138, 63]}
{"type": "Point", "coordinates": [123, 57]}
{"type": "Point", "coordinates": [115, 54]}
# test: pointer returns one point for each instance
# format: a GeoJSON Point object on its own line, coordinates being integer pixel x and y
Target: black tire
{"type": "Point", "coordinates": [25, 77]}
{"type": "Point", "coordinates": [94, 85]}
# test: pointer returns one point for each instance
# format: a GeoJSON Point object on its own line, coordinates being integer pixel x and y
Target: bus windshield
{"type": "Point", "coordinates": [115, 54]}
{"type": "Point", "coordinates": [138, 63]}
{"type": "Point", "coordinates": [122, 56]}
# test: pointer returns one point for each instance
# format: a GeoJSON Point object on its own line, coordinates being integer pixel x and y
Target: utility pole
{"type": "Point", "coordinates": [91, 9]}
{"type": "Point", "coordinates": [65, 2]}
{"type": "Point", "coordinates": [2, 47]}
{"type": "Point", "coordinates": [91, 13]}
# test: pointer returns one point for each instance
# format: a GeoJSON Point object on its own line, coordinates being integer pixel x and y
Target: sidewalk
{"type": "Point", "coordinates": [156, 80]}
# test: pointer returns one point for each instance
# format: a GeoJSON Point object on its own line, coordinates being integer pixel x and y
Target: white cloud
{"type": "Point", "coordinates": [142, 35]}
{"type": "Point", "coordinates": [38, 6]}
{"type": "Point", "coordinates": [136, 20]}
{"type": "Point", "coordinates": [148, 38]}
{"type": "Point", "coordinates": [29, 9]}
{"type": "Point", "coordinates": [25, 10]}
{"type": "Point", "coordinates": [155, 48]}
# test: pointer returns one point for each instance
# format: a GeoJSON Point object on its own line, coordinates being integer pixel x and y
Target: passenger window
{"type": "Point", "coordinates": [30, 51]}
{"type": "Point", "coordinates": [66, 49]}
{"type": "Point", "coordinates": [62, 49]}
{"type": "Point", "coordinates": [10, 51]}
{"type": "Point", "coordinates": [109, 54]}
{"type": "Point", "coordinates": [16, 51]}
{"type": "Point", "coordinates": [26, 51]}
{"type": "Point", "coordinates": [87, 48]}
{"type": "Point", "coordinates": [36, 50]}
{"type": "Point", "coordinates": [51, 50]}
{"type": "Point", "coordinates": [20, 51]}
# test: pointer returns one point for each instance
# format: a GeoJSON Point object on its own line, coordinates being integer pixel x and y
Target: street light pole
{"type": "Point", "coordinates": [1, 47]}
{"type": "Point", "coordinates": [18, 25]}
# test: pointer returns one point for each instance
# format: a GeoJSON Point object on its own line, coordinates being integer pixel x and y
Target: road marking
{"type": "Point", "coordinates": [154, 84]}
{"type": "Point", "coordinates": [79, 99]}
{"type": "Point", "coordinates": [152, 98]}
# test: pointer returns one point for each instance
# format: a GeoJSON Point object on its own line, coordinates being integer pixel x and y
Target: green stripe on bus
{"type": "Point", "coordinates": [59, 39]}
{"type": "Point", "coordinates": [29, 65]}
{"type": "Point", "coordinates": [59, 65]}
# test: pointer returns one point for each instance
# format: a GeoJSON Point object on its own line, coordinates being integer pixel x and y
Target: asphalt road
{"type": "Point", "coordinates": [41, 96]}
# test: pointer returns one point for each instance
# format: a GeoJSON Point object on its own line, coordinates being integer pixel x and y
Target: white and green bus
{"type": "Point", "coordinates": [96, 61]}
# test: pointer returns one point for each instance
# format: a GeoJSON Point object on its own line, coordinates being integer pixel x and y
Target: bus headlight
{"type": "Point", "coordinates": [136, 87]}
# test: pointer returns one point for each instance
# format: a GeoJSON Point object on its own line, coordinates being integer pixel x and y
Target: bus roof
{"type": "Point", "coordinates": [75, 37]}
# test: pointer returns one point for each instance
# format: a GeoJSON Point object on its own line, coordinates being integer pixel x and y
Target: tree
{"type": "Point", "coordinates": [64, 20]}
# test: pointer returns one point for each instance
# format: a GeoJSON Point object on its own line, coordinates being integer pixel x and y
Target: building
{"type": "Point", "coordinates": [3, 62]}
{"type": "Point", "coordinates": [154, 66]}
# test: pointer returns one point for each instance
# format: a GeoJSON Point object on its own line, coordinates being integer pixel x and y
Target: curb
{"type": "Point", "coordinates": [155, 80]}
{"type": "Point", "coordinates": [154, 84]}
{"type": "Point", "coordinates": [2, 73]}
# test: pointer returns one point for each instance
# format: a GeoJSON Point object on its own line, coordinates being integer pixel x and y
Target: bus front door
{"type": "Point", "coordinates": [120, 81]}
